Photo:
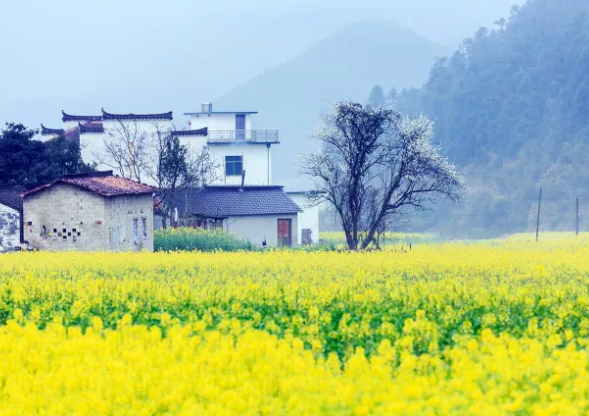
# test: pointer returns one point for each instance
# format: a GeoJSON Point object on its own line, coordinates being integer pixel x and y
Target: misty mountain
{"type": "Point", "coordinates": [292, 96]}
{"type": "Point", "coordinates": [511, 108]}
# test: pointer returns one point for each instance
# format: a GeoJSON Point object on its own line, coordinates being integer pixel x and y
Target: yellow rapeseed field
{"type": "Point", "coordinates": [498, 328]}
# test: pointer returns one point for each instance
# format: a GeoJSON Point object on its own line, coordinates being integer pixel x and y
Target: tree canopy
{"type": "Point", "coordinates": [26, 162]}
{"type": "Point", "coordinates": [511, 109]}
{"type": "Point", "coordinates": [377, 166]}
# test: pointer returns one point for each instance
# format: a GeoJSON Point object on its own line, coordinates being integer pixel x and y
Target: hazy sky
{"type": "Point", "coordinates": [143, 55]}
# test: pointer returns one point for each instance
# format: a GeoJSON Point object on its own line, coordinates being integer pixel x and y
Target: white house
{"type": "Point", "coordinates": [233, 142]}
{"type": "Point", "coordinates": [227, 135]}
{"type": "Point", "coordinates": [254, 213]}
{"type": "Point", "coordinates": [242, 153]}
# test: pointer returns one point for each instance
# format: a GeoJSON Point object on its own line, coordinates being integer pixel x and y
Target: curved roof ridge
{"type": "Point", "coordinates": [70, 117]}
{"type": "Point", "coordinates": [131, 116]}
{"type": "Point", "coordinates": [47, 131]}
{"type": "Point", "coordinates": [198, 132]}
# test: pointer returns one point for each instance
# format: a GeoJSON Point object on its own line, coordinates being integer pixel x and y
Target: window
{"type": "Point", "coordinates": [144, 227]}
{"type": "Point", "coordinates": [233, 165]}
{"type": "Point", "coordinates": [135, 239]}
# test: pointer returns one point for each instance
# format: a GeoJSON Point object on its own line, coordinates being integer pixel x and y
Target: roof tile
{"type": "Point", "coordinates": [102, 183]}
{"type": "Point", "coordinates": [232, 201]}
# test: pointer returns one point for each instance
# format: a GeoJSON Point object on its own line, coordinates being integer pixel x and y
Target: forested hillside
{"type": "Point", "coordinates": [512, 110]}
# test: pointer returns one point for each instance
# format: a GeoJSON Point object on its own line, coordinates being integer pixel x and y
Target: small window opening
{"type": "Point", "coordinates": [144, 227]}
{"type": "Point", "coordinates": [135, 226]}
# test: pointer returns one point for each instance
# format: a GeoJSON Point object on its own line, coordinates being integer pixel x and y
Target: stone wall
{"type": "Point", "coordinates": [64, 217]}
{"type": "Point", "coordinates": [9, 228]}
{"type": "Point", "coordinates": [130, 222]}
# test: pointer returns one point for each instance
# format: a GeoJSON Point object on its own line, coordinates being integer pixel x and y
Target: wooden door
{"type": "Point", "coordinates": [284, 233]}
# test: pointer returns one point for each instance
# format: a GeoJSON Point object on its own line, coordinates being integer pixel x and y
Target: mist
{"type": "Point", "coordinates": [136, 56]}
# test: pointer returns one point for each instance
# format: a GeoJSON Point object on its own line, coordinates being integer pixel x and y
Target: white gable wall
{"type": "Point", "coordinates": [256, 163]}
{"type": "Point", "coordinates": [9, 228]}
{"type": "Point", "coordinates": [309, 218]}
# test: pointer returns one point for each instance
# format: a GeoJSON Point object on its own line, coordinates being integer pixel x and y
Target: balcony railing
{"type": "Point", "coordinates": [254, 136]}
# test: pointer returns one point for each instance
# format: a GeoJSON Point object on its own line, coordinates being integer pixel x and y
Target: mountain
{"type": "Point", "coordinates": [512, 110]}
{"type": "Point", "coordinates": [291, 97]}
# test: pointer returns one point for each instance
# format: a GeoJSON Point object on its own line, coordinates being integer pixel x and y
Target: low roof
{"type": "Point", "coordinates": [198, 132]}
{"type": "Point", "coordinates": [91, 127]}
{"type": "Point", "coordinates": [10, 197]}
{"type": "Point", "coordinates": [234, 201]}
{"type": "Point", "coordinates": [46, 131]}
{"type": "Point", "coordinates": [206, 113]}
{"type": "Point", "coordinates": [102, 183]}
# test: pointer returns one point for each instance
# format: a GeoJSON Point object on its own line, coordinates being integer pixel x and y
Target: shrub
{"type": "Point", "coordinates": [197, 239]}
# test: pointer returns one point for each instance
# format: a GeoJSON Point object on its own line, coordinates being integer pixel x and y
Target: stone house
{"type": "Point", "coordinates": [10, 218]}
{"type": "Point", "coordinates": [254, 213]}
{"type": "Point", "coordinates": [89, 212]}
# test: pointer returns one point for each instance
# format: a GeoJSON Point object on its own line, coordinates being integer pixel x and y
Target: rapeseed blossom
{"type": "Point", "coordinates": [450, 329]}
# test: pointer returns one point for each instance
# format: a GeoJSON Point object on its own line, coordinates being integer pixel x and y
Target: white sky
{"type": "Point", "coordinates": [148, 55]}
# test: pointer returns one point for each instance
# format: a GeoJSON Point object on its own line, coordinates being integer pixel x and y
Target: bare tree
{"type": "Point", "coordinates": [125, 150]}
{"type": "Point", "coordinates": [376, 165]}
{"type": "Point", "coordinates": [202, 169]}
{"type": "Point", "coordinates": [168, 165]}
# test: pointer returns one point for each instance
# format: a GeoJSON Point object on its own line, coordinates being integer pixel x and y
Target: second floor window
{"type": "Point", "coordinates": [233, 165]}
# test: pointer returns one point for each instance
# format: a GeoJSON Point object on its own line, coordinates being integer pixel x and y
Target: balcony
{"type": "Point", "coordinates": [251, 136]}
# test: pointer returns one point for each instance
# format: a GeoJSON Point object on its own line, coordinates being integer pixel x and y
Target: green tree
{"type": "Point", "coordinates": [27, 163]}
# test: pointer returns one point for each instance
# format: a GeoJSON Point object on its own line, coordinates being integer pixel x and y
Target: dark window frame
{"type": "Point", "coordinates": [233, 165]}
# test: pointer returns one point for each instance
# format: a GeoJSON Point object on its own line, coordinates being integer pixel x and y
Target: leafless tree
{"type": "Point", "coordinates": [375, 165]}
{"type": "Point", "coordinates": [202, 169]}
{"type": "Point", "coordinates": [125, 150]}
{"type": "Point", "coordinates": [167, 166]}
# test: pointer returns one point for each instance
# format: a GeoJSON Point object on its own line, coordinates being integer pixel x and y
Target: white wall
{"type": "Point", "coordinates": [255, 228]}
{"type": "Point", "coordinates": [47, 137]}
{"type": "Point", "coordinates": [217, 121]}
{"type": "Point", "coordinates": [71, 124]}
{"type": "Point", "coordinates": [194, 144]}
{"type": "Point", "coordinates": [91, 144]}
{"type": "Point", "coordinates": [9, 227]}
{"type": "Point", "coordinates": [309, 218]}
{"type": "Point", "coordinates": [256, 163]}
{"type": "Point", "coordinates": [94, 143]}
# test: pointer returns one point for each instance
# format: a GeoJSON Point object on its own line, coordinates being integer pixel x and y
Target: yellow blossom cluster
{"type": "Point", "coordinates": [499, 328]}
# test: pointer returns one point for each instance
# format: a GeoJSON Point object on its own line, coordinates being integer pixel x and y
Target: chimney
{"type": "Point", "coordinates": [242, 180]}
{"type": "Point", "coordinates": [206, 108]}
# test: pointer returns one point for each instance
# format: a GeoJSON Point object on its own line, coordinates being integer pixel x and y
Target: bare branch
{"type": "Point", "coordinates": [376, 166]}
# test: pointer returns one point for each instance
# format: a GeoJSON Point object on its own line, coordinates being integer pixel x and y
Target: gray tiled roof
{"type": "Point", "coordinates": [233, 201]}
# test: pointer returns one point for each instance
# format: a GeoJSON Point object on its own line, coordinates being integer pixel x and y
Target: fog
{"type": "Point", "coordinates": [138, 56]}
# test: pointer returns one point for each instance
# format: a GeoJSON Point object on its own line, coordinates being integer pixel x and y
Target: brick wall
{"type": "Point", "coordinates": [9, 228]}
{"type": "Point", "coordinates": [65, 217]}
{"type": "Point", "coordinates": [122, 212]}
